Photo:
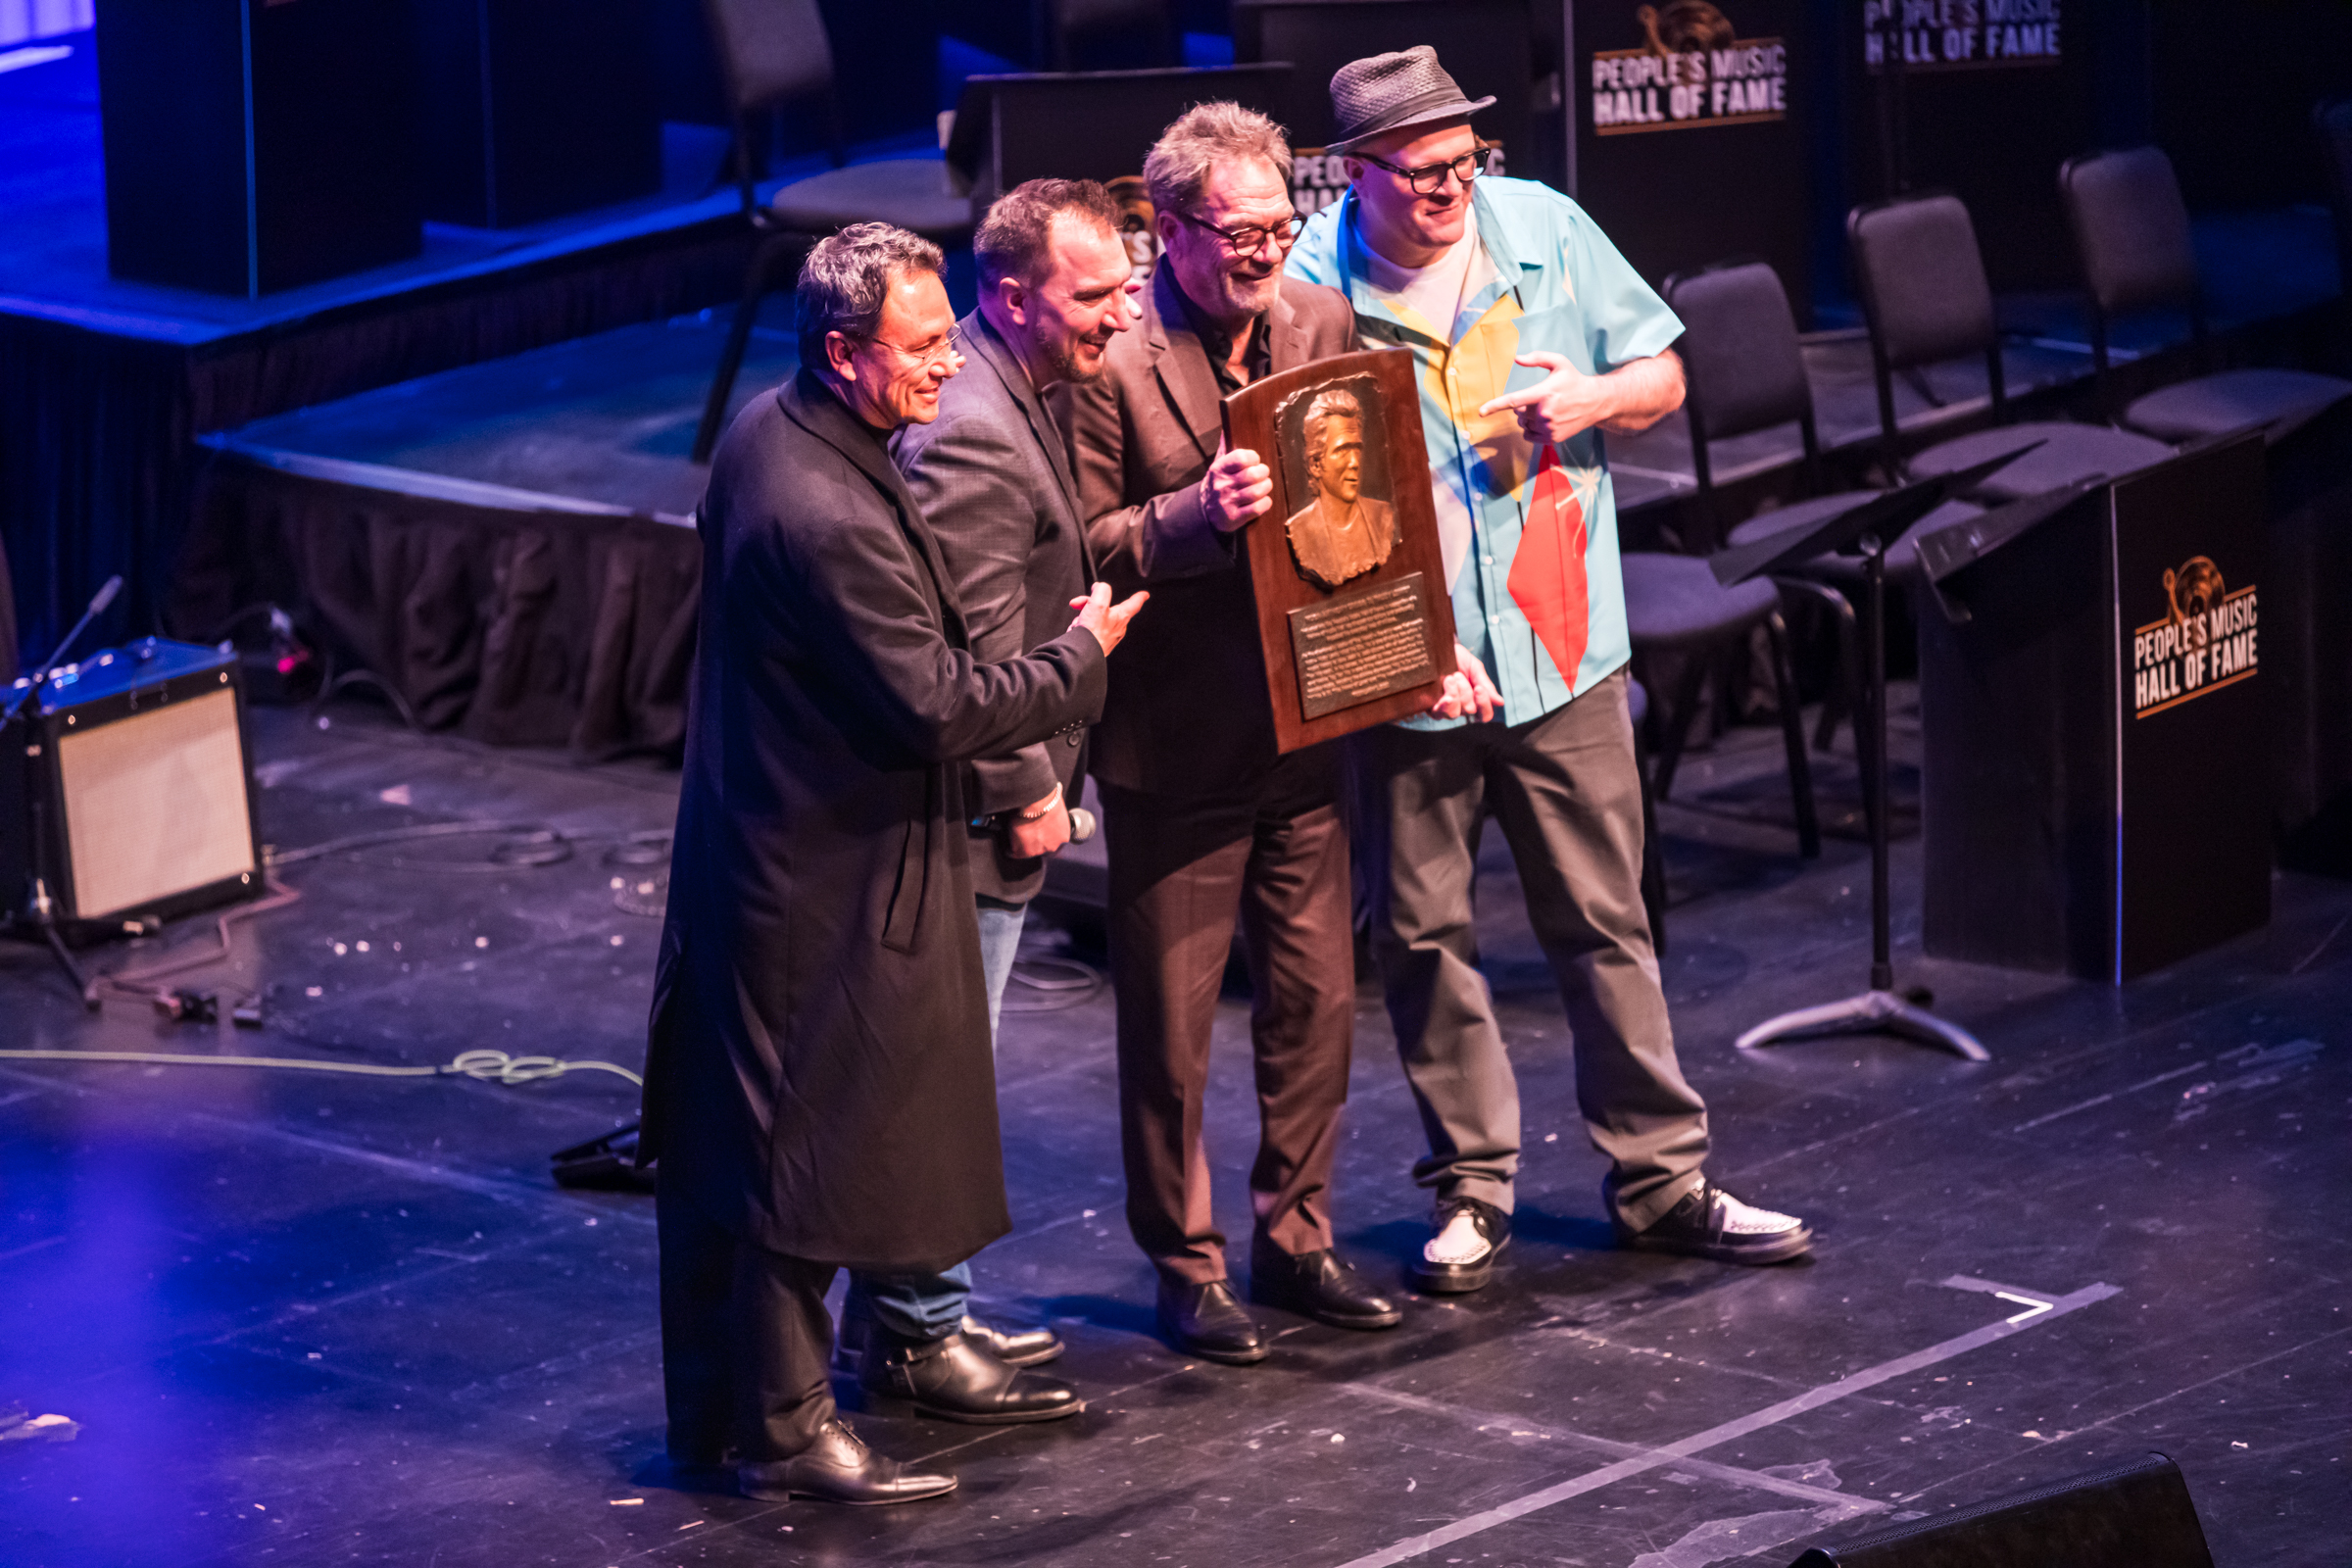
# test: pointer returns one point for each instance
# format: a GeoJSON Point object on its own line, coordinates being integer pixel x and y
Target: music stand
{"type": "Point", "coordinates": [1865, 526]}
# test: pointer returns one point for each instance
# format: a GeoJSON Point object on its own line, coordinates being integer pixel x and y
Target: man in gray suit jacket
{"type": "Point", "coordinates": [993, 477]}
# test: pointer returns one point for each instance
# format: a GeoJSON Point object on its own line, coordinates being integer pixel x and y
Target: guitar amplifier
{"type": "Point", "coordinates": [128, 787]}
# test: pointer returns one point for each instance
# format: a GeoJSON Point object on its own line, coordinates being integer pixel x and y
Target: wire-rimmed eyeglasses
{"type": "Point", "coordinates": [951, 346]}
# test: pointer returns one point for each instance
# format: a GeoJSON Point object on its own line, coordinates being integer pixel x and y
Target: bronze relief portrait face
{"type": "Point", "coordinates": [1333, 460]}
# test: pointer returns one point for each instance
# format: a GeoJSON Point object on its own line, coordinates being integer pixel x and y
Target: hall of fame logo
{"type": "Point", "coordinates": [2206, 640]}
{"type": "Point", "coordinates": [1692, 70]}
{"type": "Point", "coordinates": [1961, 34]}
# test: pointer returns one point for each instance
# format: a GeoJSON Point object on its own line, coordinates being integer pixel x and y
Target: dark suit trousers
{"type": "Point", "coordinates": [746, 1342]}
{"type": "Point", "coordinates": [1181, 869]}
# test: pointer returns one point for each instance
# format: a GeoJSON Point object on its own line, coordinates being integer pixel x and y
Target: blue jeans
{"type": "Point", "coordinates": [929, 1307]}
{"type": "Point", "coordinates": [1000, 940]}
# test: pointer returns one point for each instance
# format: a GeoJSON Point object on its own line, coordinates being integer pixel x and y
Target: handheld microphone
{"type": "Point", "coordinates": [1082, 824]}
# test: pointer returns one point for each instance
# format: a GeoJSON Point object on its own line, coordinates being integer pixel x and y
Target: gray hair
{"type": "Point", "coordinates": [847, 279]}
{"type": "Point", "coordinates": [1203, 137]}
{"type": "Point", "coordinates": [1017, 236]}
{"type": "Point", "coordinates": [1336, 404]}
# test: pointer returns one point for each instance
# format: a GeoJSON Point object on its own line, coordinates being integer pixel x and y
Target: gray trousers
{"type": "Point", "coordinates": [1565, 791]}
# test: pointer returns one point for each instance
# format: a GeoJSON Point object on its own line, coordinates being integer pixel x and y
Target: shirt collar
{"type": "Point", "coordinates": [1213, 337]}
{"type": "Point", "coordinates": [1493, 234]}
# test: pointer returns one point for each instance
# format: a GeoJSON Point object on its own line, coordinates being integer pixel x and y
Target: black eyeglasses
{"type": "Point", "coordinates": [1430, 178]}
{"type": "Point", "coordinates": [1250, 238]}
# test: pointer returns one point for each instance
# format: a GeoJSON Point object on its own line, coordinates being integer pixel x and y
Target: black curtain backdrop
{"type": "Point", "coordinates": [517, 628]}
{"type": "Point", "coordinates": [98, 459]}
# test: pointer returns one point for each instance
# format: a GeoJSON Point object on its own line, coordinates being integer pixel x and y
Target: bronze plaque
{"type": "Point", "coordinates": [1355, 621]}
{"type": "Point", "coordinates": [1367, 645]}
{"type": "Point", "coordinates": [1347, 527]}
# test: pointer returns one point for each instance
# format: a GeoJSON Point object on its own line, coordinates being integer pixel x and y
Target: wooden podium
{"type": "Point", "coordinates": [253, 145]}
{"type": "Point", "coordinates": [2097, 787]}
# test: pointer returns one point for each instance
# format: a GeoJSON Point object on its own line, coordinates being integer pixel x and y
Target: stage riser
{"type": "Point", "coordinates": [511, 627]}
{"type": "Point", "coordinates": [101, 429]}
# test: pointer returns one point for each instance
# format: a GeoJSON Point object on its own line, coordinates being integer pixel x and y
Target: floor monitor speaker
{"type": "Point", "coordinates": [132, 792]}
{"type": "Point", "coordinates": [2134, 1515]}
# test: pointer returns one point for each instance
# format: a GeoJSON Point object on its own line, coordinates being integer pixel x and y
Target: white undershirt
{"type": "Point", "coordinates": [1434, 292]}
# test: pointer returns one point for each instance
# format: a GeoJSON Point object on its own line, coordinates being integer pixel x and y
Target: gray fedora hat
{"type": "Point", "coordinates": [1387, 92]}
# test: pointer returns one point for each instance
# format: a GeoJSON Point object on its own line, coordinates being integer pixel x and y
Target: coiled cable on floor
{"type": "Point", "coordinates": [482, 1066]}
{"type": "Point", "coordinates": [528, 843]}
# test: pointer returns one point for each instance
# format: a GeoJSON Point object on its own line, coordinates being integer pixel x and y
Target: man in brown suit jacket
{"type": "Point", "coordinates": [1203, 821]}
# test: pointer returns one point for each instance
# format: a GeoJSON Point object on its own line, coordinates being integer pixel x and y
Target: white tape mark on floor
{"type": "Point", "coordinates": [1484, 1420]}
{"type": "Point", "coordinates": [2101, 1100]}
{"type": "Point", "coordinates": [1697, 1443]}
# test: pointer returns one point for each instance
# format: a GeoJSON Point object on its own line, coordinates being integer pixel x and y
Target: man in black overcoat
{"type": "Point", "coordinates": [819, 1088]}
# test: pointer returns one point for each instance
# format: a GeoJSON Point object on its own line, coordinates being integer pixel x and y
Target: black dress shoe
{"type": "Point", "coordinates": [1021, 1348]}
{"type": "Point", "coordinates": [1711, 1223]}
{"type": "Point", "coordinates": [839, 1468]}
{"type": "Point", "coordinates": [1204, 1320]}
{"type": "Point", "coordinates": [1487, 1230]}
{"type": "Point", "coordinates": [956, 1380]}
{"type": "Point", "coordinates": [1024, 1348]}
{"type": "Point", "coordinates": [1317, 1285]}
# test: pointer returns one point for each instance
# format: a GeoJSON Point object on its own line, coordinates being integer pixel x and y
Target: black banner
{"type": "Point", "coordinates": [1689, 124]}
{"type": "Point", "coordinates": [2193, 768]}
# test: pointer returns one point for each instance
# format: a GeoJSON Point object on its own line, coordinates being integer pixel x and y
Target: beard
{"type": "Point", "coordinates": [1070, 360]}
{"type": "Point", "coordinates": [1241, 295]}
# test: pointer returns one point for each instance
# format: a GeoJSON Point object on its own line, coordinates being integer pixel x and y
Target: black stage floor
{"type": "Point", "coordinates": [313, 1320]}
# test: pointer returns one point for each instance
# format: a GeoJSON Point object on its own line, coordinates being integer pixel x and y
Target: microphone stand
{"type": "Point", "coordinates": [41, 908]}
{"type": "Point", "coordinates": [1866, 525]}
{"type": "Point", "coordinates": [1881, 1009]}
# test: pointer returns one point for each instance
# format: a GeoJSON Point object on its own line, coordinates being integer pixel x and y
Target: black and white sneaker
{"type": "Point", "coordinates": [1466, 1236]}
{"type": "Point", "coordinates": [1711, 1223]}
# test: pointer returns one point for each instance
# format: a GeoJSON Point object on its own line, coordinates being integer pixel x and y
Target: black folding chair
{"type": "Point", "coordinates": [1925, 299]}
{"type": "Point", "coordinates": [1744, 370]}
{"type": "Point", "coordinates": [773, 52]}
{"type": "Point", "coordinates": [2132, 233]}
{"type": "Point", "coordinates": [1674, 605]}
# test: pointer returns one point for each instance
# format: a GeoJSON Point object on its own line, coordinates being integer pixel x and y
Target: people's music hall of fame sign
{"type": "Point", "coordinates": [1352, 612]}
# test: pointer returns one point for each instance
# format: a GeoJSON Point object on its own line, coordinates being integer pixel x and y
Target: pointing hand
{"type": "Point", "coordinates": [1561, 405]}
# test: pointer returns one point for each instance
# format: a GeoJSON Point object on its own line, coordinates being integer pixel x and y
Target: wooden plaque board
{"type": "Point", "coordinates": [1356, 627]}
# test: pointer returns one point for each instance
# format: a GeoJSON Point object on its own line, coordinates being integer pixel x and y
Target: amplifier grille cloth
{"type": "Point", "coordinates": [154, 805]}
